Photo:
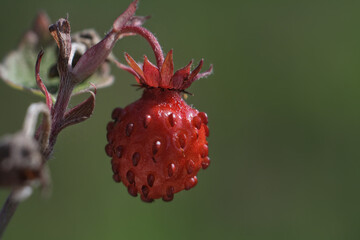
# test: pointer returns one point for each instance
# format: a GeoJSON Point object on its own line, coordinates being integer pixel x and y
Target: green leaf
{"type": "Point", "coordinates": [18, 71]}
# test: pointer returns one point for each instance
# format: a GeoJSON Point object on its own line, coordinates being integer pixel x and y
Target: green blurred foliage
{"type": "Point", "coordinates": [283, 114]}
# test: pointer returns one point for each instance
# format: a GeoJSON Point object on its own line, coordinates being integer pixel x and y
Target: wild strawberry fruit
{"type": "Point", "coordinates": [158, 143]}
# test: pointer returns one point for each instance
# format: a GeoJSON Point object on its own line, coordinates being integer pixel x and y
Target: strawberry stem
{"type": "Point", "coordinates": [150, 38]}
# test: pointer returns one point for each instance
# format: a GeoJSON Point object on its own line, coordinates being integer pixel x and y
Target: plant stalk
{"type": "Point", "coordinates": [7, 212]}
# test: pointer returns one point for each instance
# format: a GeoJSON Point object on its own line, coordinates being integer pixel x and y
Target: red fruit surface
{"type": "Point", "coordinates": [157, 145]}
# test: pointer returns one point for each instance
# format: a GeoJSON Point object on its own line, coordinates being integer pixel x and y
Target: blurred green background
{"type": "Point", "coordinates": [283, 107]}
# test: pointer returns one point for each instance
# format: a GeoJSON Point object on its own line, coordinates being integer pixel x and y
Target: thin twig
{"type": "Point", "coordinates": [7, 212]}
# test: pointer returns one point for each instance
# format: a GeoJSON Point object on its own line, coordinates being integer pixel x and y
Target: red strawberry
{"type": "Point", "coordinates": [158, 143]}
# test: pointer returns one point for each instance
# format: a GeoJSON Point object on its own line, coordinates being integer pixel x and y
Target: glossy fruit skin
{"type": "Point", "coordinates": [157, 144]}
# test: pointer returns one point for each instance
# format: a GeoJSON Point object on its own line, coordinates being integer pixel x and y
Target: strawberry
{"type": "Point", "coordinates": [158, 143]}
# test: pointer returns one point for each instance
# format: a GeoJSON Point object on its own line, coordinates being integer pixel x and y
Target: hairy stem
{"type": "Point", "coordinates": [150, 38]}
{"type": "Point", "coordinates": [58, 112]}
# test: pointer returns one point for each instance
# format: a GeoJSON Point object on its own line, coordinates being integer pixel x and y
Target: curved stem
{"type": "Point", "coordinates": [31, 119]}
{"type": "Point", "coordinates": [150, 38]}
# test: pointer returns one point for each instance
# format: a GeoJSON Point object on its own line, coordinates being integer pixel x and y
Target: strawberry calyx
{"type": "Point", "coordinates": [164, 76]}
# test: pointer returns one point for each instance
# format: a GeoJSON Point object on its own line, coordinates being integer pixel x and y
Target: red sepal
{"type": "Point", "coordinates": [151, 73]}
{"type": "Point", "coordinates": [167, 70]}
{"type": "Point", "coordinates": [136, 68]}
{"type": "Point", "coordinates": [193, 74]}
{"type": "Point", "coordinates": [181, 76]}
